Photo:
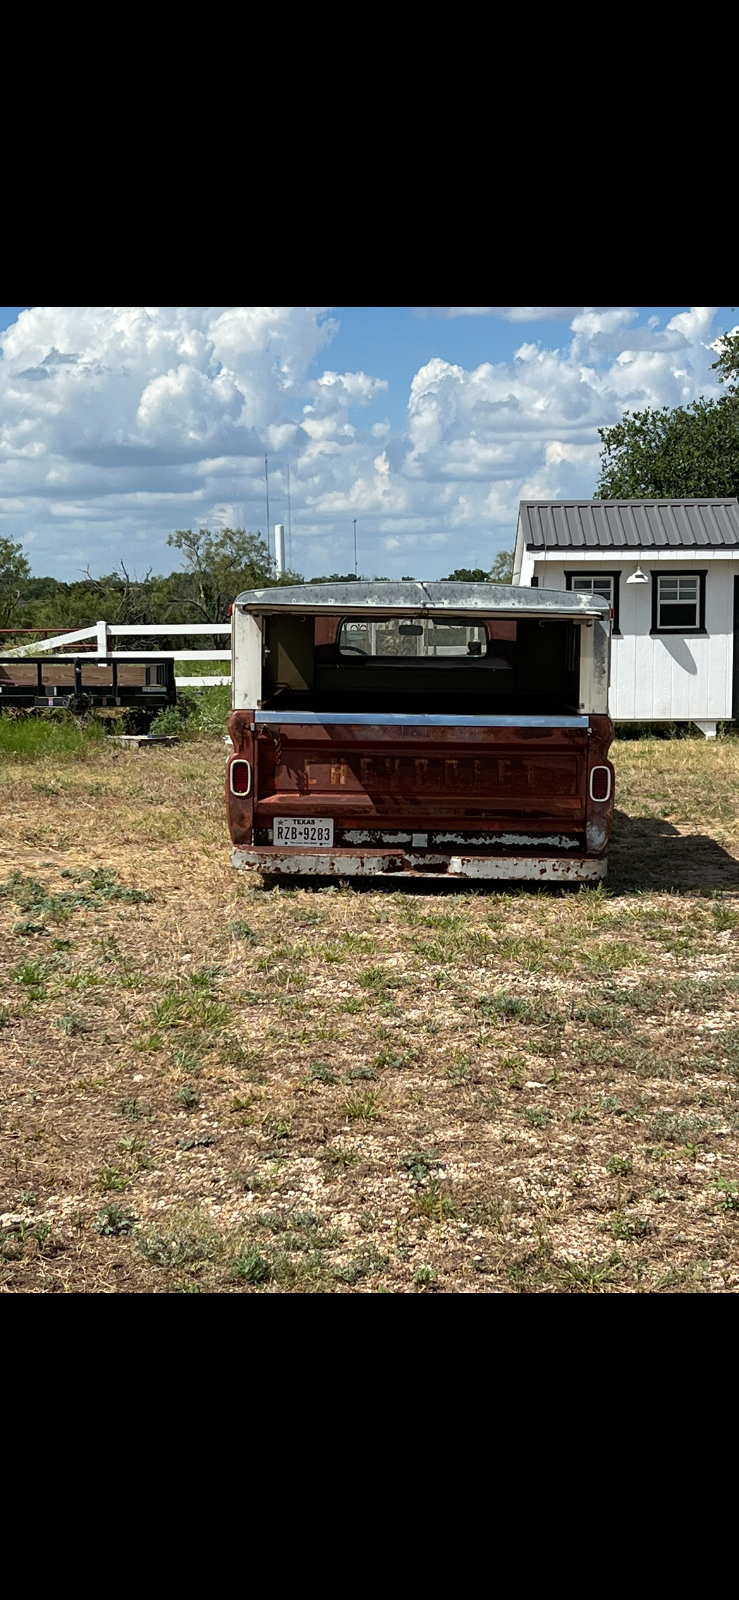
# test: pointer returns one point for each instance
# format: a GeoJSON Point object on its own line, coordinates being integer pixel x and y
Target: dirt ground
{"type": "Point", "coordinates": [212, 1086]}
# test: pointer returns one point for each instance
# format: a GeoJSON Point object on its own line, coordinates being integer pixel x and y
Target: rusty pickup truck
{"type": "Point", "coordinates": [407, 729]}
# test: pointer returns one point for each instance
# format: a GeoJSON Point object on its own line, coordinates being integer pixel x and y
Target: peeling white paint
{"type": "Point", "coordinates": [332, 864]}
{"type": "Point", "coordinates": [596, 833]}
{"type": "Point", "coordinates": [363, 836]}
{"type": "Point", "coordinates": [539, 868]}
{"type": "Point", "coordinates": [550, 841]}
{"type": "Point", "coordinates": [530, 841]}
{"type": "Point", "coordinates": [353, 864]}
{"type": "Point", "coordinates": [429, 858]}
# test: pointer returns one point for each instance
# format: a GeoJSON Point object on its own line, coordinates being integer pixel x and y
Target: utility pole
{"type": "Point", "coordinates": [355, 547]}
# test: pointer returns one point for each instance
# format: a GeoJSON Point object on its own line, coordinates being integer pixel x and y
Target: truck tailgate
{"type": "Point", "coordinates": [421, 771]}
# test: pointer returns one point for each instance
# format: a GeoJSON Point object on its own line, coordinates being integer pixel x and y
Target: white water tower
{"type": "Point", "coordinates": [280, 548]}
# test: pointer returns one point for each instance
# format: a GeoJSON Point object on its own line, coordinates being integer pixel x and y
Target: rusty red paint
{"type": "Point", "coordinates": [422, 778]}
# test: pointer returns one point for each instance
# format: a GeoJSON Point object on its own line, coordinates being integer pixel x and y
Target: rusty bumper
{"type": "Point", "coordinates": [344, 863]}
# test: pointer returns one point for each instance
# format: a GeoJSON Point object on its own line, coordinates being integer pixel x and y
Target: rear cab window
{"type": "Point", "coordinates": [411, 637]}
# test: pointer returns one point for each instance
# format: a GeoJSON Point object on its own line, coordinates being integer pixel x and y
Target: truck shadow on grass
{"type": "Point", "coordinates": [649, 853]}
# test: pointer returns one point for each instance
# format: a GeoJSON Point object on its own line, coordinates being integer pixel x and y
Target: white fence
{"type": "Point", "coordinates": [104, 632]}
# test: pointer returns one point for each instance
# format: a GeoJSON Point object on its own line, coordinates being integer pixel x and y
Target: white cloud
{"type": "Point", "coordinates": [118, 425]}
{"type": "Point", "coordinates": [353, 387]}
{"type": "Point", "coordinates": [695, 324]}
{"type": "Point", "coordinates": [537, 313]}
{"type": "Point", "coordinates": [508, 313]}
{"type": "Point", "coordinates": [531, 426]}
{"type": "Point", "coordinates": [611, 331]}
{"type": "Point", "coordinates": [640, 339]}
{"type": "Point", "coordinates": [614, 319]}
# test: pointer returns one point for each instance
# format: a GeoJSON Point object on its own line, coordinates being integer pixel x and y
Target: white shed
{"type": "Point", "coordinates": [670, 569]}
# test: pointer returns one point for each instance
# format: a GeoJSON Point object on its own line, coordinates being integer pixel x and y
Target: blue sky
{"type": "Point", "coordinates": [395, 341]}
{"type": "Point", "coordinates": [121, 424]}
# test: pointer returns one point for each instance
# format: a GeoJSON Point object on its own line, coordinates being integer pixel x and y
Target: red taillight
{"type": "Point", "coordinates": [240, 777]}
{"type": "Point", "coordinates": [600, 783]}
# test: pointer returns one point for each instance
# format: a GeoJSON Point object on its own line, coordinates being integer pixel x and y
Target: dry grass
{"type": "Point", "coordinates": [211, 1086]}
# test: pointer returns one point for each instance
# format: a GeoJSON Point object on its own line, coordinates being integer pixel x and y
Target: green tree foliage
{"type": "Point", "coordinates": [339, 577]}
{"type": "Point", "coordinates": [14, 571]}
{"type": "Point", "coordinates": [686, 453]}
{"type": "Point", "coordinates": [500, 572]}
{"type": "Point", "coordinates": [216, 567]}
{"type": "Point", "coordinates": [727, 365]}
{"type": "Point", "coordinates": [502, 568]}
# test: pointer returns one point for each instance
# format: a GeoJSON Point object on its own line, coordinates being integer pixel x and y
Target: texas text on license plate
{"type": "Point", "coordinates": [304, 830]}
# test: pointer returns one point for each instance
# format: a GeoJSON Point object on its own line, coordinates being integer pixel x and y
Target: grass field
{"type": "Point", "coordinates": [209, 1086]}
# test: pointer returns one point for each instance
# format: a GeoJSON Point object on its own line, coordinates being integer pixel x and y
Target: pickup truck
{"type": "Point", "coordinates": [407, 729]}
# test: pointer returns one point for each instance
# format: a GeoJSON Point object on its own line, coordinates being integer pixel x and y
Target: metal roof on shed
{"type": "Point", "coordinates": [629, 524]}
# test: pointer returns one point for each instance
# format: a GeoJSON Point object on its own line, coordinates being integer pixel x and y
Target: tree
{"type": "Point", "coordinates": [116, 596]}
{"type": "Point", "coordinates": [502, 568]}
{"type": "Point", "coordinates": [339, 577]}
{"type": "Point", "coordinates": [219, 566]}
{"type": "Point", "coordinates": [691, 452]}
{"type": "Point", "coordinates": [728, 362]}
{"type": "Point", "coordinates": [123, 598]}
{"type": "Point", "coordinates": [500, 572]}
{"type": "Point", "coordinates": [14, 570]}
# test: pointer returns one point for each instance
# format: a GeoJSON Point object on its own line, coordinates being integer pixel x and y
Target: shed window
{"type": "Point", "coordinates": [603, 584]}
{"type": "Point", "coordinates": [679, 602]}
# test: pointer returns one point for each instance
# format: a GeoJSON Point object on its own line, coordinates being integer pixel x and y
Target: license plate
{"type": "Point", "coordinates": [304, 830]}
